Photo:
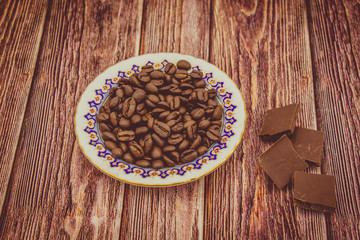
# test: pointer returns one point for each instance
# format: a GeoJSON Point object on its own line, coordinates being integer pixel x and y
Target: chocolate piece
{"type": "Point", "coordinates": [314, 191]}
{"type": "Point", "coordinates": [308, 144]}
{"type": "Point", "coordinates": [280, 120]}
{"type": "Point", "coordinates": [280, 161]}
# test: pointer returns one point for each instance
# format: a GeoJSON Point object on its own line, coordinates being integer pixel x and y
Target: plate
{"type": "Point", "coordinates": [88, 137]}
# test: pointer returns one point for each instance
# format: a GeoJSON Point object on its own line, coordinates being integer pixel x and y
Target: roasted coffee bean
{"type": "Point", "coordinates": [175, 156]}
{"type": "Point", "coordinates": [187, 117]}
{"type": "Point", "coordinates": [144, 78]}
{"type": "Point", "coordinates": [129, 107]}
{"type": "Point", "coordinates": [114, 102]}
{"type": "Point", "coordinates": [164, 114]}
{"type": "Point", "coordinates": [128, 158]}
{"type": "Point", "coordinates": [158, 140]}
{"type": "Point", "coordinates": [157, 164]}
{"type": "Point", "coordinates": [139, 95]}
{"type": "Point", "coordinates": [150, 87]}
{"type": "Point", "coordinates": [218, 122]}
{"type": "Point", "coordinates": [189, 155]}
{"type": "Point", "coordinates": [140, 109]}
{"type": "Point", "coordinates": [156, 111]}
{"type": "Point", "coordinates": [204, 124]}
{"type": "Point", "coordinates": [143, 163]}
{"type": "Point", "coordinates": [124, 123]}
{"type": "Point", "coordinates": [171, 123]}
{"type": "Point", "coordinates": [212, 102]}
{"type": "Point", "coordinates": [120, 93]}
{"type": "Point", "coordinates": [152, 100]}
{"type": "Point", "coordinates": [113, 119]}
{"type": "Point", "coordinates": [150, 122]}
{"type": "Point", "coordinates": [181, 74]}
{"type": "Point", "coordinates": [123, 146]}
{"type": "Point", "coordinates": [202, 95]}
{"type": "Point", "coordinates": [116, 130]}
{"type": "Point", "coordinates": [196, 74]}
{"type": "Point", "coordinates": [175, 90]}
{"type": "Point", "coordinates": [182, 110]}
{"type": "Point", "coordinates": [110, 145]}
{"type": "Point", "coordinates": [206, 142]}
{"type": "Point", "coordinates": [170, 68]}
{"type": "Point", "coordinates": [175, 103]}
{"type": "Point", "coordinates": [141, 130]}
{"type": "Point", "coordinates": [189, 123]}
{"type": "Point", "coordinates": [183, 64]}
{"type": "Point", "coordinates": [134, 81]}
{"type": "Point", "coordinates": [123, 81]}
{"type": "Point", "coordinates": [169, 148]}
{"type": "Point", "coordinates": [217, 114]}
{"type": "Point", "coordinates": [162, 129]}
{"type": "Point", "coordinates": [126, 136]}
{"type": "Point", "coordinates": [148, 143]}
{"type": "Point", "coordinates": [147, 68]}
{"type": "Point", "coordinates": [156, 152]}
{"type": "Point", "coordinates": [212, 93]}
{"type": "Point", "coordinates": [186, 86]}
{"type": "Point", "coordinates": [201, 150]}
{"type": "Point", "coordinates": [197, 113]}
{"type": "Point", "coordinates": [213, 133]}
{"type": "Point", "coordinates": [175, 82]}
{"type": "Point", "coordinates": [191, 131]}
{"type": "Point", "coordinates": [157, 82]}
{"type": "Point", "coordinates": [175, 139]}
{"type": "Point", "coordinates": [174, 116]}
{"type": "Point", "coordinates": [184, 145]}
{"type": "Point", "coordinates": [109, 136]}
{"type": "Point", "coordinates": [128, 90]}
{"type": "Point", "coordinates": [136, 150]}
{"type": "Point", "coordinates": [102, 117]}
{"type": "Point", "coordinates": [117, 153]}
{"type": "Point", "coordinates": [135, 119]}
{"type": "Point", "coordinates": [103, 127]}
{"type": "Point", "coordinates": [164, 88]}
{"type": "Point", "coordinates": [112, 91]}
{"type": "Point", "coordinates": [163, 104]}
{"type": "Point", "coordinates": [157, 74]}
{"type": "Point", "coordinates": [168, 161]}
{"type": "Point", "coordinates": [196, 142]}
{"type": "Point", "coordinates": [200, 84]}
{"type": "Point", "coordinates": [209, 110]}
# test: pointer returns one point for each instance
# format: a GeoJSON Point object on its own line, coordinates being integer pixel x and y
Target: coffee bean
{"type": "Point", "coordinates": [171, 123]}
{"type": "Point", "coordinates": [218, 122]}
{"type": "Point", "coordinates": [126, 136]}
{"type": "Point", "coordinates": [185, 86]}
{"type": "Point", "coordinates": [202, 95]}
{"type": "Point", "coordinates": [197, 113]}
{"type": "Point", "coordinates": [128, 158]}
{"type": "Point", "coordinates": [212, 102]}
{"type": "Point", "coordinates": [189, 123]}
{"type": "Point", "coordinates": [196, 142]}
{"type": "Point", "coordinates": [196, 74]}
{"type": "Point", "coordinates": [213, 133]}
{"type": "Point", "coordinates": [162, 129]}
{"type": "Point", "coordinates": [160, 142]}
{"type": "Point", "coordinates": [184, 145]}
{"type": "Point", "coordinates": [187, 92]}
{"type": "Point", "coordinates": [134, 81]}
{"type": "Point", "coordinates": [175, 82]}
{"type": "Point", "coordinates": [206, 142]}
{"type": "Point", "coordinates": [112, 91]}
{"type": "Point", "coordinates": [191, 131]}
{"type": "Point", "coordinates": [183, 64]}
{"type": "Point", "coordinates": [147, 68]}
{"type": "Point", "coordinates": [175, 103]}
{"type": "Point", "coordinates": [174, 116]}
{"type": "Point", "coordinates": [129, 107]}
{"type": "Point", "coordinates": [123, 146]}
{"type": "Point", "coordinates": [150, 87]}
{"type": "Point", "coordinates": [169, 148]}
{"type": "Point", "coordinates": [113, 119]}
{"type": "Point", "coordinates": [144, 78]}
{"type": "Point", "coordinates": [170, 68]}
{"type": "Point", "coordinates": [135, 119]}
{"type": "Point", "coordinates": [152, 100]}
{"type": "Point", "coordinates": [217, 114]}
{"type": "Point", "coordinates": [157, 82]}
{"type": "Point", "coordinates": [187, 117]}
{"type": "Point", "coordinates": [201, 150]}
{"type": "Point", "coordinates": [175, 156]}
{"type": "Point", "coordinates": [148, 143]}
{"type": "Point", "coordinates": [110, 145]}
{"type": "Point", "coordinates": [204, 124]}
{"type": "Point", "coordinates": [212, 93]}
{"type": "Point", "coordinates": [128, 90]}
{"type": "Point", "coordinates": [150, 122]}
{"type": "Point", "coordinates": [109, 136]}
{"type": "Point", "coordinates": [114, 102]}
{"type": "Point", "coordinates": [156, 152]}
{"type": "Point", "coordinates": [116, 130]}
{"type": "Point", "coordinates": [164, 114]}
{"type": "Point", "coordinates": [136, 149]}
{"type": "Point", "coordinates": [175, 138]}
{"type": "Point", "coordinates": [163, 104]}
{"type": "Point", "coordinates": [157, 164]}
{"type": "Point", "coordinates": [102, 117]}
{"type": "Point", "coordinates": [143, 163]}
{"type": "Point", "coordinates": [103, 127]}
{"type": "Point", "coordinates": [120, 93]}
{"type": "Point", "coordinates": [157, 74]}
{"type": "Point", "coordinates": [168, 161]}
{"type": "Point", "coordinates": [123, 81]}
{"type": "Point", "coordinates": [141, 130]}
{"type": "Point", "coordinates": [117, 153]}
{"type": "Point", "coordinates": [182, 110]}
{"type": "Point", "coordinates": [209, 110]}
{"type": "Point", "coordinates": [189, 155]}
{"type": "Point", "coordinates": [139, 95]}
{"type": "Point", "coordinates": [181, 74]}
{"type": "Point", "coordinates": [124, 123]}
{"type": "Point", "coordinates": [200, 83]}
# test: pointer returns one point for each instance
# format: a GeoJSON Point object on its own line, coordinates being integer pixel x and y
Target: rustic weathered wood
{"type": "Point", "coordinates": [175, 212]}
{"type": "Point", "coordinates": [54, 190]}
{"type": "Point", "coordinates": [334, 30]}
{"type": "Point", "coordinates": [21, 27]}
{"type": "Point", "coordinates": [264, 47]}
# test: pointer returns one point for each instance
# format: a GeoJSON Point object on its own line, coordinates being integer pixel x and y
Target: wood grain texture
{"type": "Point", "coordinates": [21, 27]}
{"type": "Point", "coordinates": [335, 50]}
{"type": "Point", "coordinates": [269, 58]}
{"type": "Point", "coordinates": [174, 212]}
{"type": "Point", "coordinates": [55, 191]}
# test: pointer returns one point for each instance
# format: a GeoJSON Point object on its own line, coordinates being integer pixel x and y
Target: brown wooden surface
{"type": "Point", "coordinates": [278, 52]}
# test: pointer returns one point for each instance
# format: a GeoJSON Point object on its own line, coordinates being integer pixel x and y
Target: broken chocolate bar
{"type": "Point", "coordinates": [280, 161]}
{"type": "Point", "coordinates": [314, 191]}
{"type": "Point", "coordinates": [308, 144]}
{"type": "Point", "coordinates": [280, 120]}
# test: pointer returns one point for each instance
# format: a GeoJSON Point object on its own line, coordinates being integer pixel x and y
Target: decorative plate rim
{"type": "Point", "coordinates": [143, 183]}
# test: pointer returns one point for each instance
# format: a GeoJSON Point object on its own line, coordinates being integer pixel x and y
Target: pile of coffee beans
{"type": "Point", "coordinates": [159, 119]}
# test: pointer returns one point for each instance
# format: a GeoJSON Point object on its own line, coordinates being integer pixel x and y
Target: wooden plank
{"type": "Point", "coordinates": [335, 42]}
{"type": "Point", "coordinates": [55, 192]}
{"type": "Point", "coordinates": [264, 47]}
{"type": "Point", "coordinates": [21, 27]}
{"type": "Point", "coordinates": [174, 212]}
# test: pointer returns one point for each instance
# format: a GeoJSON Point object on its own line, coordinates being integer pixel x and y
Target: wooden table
{"type": "Point", "coordinates": [278, 52]}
